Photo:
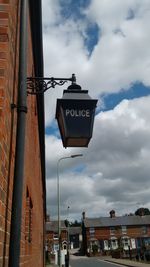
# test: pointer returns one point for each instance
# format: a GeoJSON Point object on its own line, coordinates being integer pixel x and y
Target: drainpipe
{"type": "Point", "coordinates": [16, 216]}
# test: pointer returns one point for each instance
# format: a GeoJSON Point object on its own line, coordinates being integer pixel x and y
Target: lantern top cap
{"type": "Point", "coordinates": [74, 86]}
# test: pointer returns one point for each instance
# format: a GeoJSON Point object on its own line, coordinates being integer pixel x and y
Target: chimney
{"type": "Point", "coordinates": [112, 214]}
{"type": "Point", "coordinates": [83, 215]}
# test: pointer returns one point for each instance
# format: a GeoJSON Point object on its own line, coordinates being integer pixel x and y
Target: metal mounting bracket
{"type": "Point", "coordinates": [39, 85]}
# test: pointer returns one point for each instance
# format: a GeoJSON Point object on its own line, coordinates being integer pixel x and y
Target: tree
{"type": "Point", "coordinates": [94, 248]}
{"type": "Point", "coordinates": [76, 223]}
{"type": "Point", "coordinates": [142, 211]}
{"type": "Point", "coordinates": [66, 222]}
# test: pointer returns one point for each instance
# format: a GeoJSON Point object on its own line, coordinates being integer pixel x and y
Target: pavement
{"type": "Point", "coordinates": [126, 262]}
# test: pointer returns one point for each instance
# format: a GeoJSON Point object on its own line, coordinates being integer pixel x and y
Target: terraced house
{"type": "Point", "coordinates": [52, 240]}
{"type": "Point", "coordinates": [70, 236]}
{"type": "Point", "coordinates": [21, 237]}
{"type": "Point", "coordinates": [104, 235]}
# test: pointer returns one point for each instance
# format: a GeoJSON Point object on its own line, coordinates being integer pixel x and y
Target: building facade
{"type": "Point", "coordinates": [75, 237]}
{"type": "Point", "coordinates": [33, 204]}
{"type": "Point", "coordinates": [52, 240]}
{"type": "Point", "coordinates": [71, 236]}
{"type": "Point", "coordinates": [104, 235]}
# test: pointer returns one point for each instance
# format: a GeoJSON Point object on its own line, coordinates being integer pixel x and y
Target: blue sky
{"type": "Point", "coordinates": [135, 91]}
{"type": "Point", "coordinates": [106, 44]}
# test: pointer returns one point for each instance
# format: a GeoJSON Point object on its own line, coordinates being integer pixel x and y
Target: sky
{"type": "Point", "coordinates": [106, 44]}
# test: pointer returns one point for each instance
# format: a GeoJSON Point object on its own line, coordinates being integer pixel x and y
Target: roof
{"type": "Point", "coordinates": [117, 221]}
{"type": "Point", "coordinates": [52, 226]}
{"type": "Point", "coordinates": [74, 230]}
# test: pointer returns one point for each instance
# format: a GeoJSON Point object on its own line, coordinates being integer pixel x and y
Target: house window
{"type": "Point", "coordinates": [126, 243]}
{"type": "Point", "coordinates": [144, 230]}
{"type": "Point", "coordinates": [112, 230]}
{"type": "Point", "coordinates": [55, 236]}
{"type": "Point", "coordinates": [114, 243]}
{"type": "Point", "coordinates": [124, 229]}
{"type": "Point", "coordinates": [28, 218]}
{"type": "Point", "coordinates": [56, 247]}
{"type": "Point", "coordinates": [92, 232]}
{"type": "Point", "coordinates": [107, 244]}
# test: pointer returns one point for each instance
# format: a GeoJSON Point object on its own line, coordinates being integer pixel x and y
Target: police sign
{"type": "Point", "coordinates": [75, 113]}
{"type": "Point", "coordinates": [78, 113]}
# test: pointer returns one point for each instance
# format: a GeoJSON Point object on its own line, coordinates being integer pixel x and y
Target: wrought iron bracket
{"type": "Point", "coordinates": [39, 85]}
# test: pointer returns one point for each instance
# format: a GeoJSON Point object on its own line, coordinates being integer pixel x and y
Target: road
{"type": "Point", "coordinates": [78, 261]}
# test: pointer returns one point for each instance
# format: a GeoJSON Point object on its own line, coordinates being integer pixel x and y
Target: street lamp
{"type": "Point", "coordinates": [58, 202]}
{"type": "Point", "coordinates": [75, 113]}
{"type": "Point", "coordinates": [68, 239]}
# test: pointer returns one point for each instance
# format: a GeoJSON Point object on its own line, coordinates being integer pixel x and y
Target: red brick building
{"type": "Point", "coordinates": [71, 236]}
{"type": "Point", "coordinates": [33, 212]}
{"type": "Point", "coordinates": [52, 240]}
{"type": "Point", "coordinates": [108, 234]}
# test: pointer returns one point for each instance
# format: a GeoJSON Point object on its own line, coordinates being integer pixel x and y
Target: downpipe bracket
{"type": "Point", "coordinates": [19, 108]}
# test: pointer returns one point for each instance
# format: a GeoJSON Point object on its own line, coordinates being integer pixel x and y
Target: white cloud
{"type": "Point", "coordinates": [120, 58]}
{"type": "Point", "coordinates": [116, 164]}
{"type": "Point", "coordinates": [116, 168]}
{"type": "Point", "coordinates": [51, 13]}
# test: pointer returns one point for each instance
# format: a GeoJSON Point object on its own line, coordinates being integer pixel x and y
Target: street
{"type": "Point", "coordinates": [80, 261]}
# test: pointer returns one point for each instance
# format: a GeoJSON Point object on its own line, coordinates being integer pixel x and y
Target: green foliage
{"type": "Point", "coordinates": [94, 248]}
{"type": "Point", "coordinates": [76, 223]}
{"type": "Point", "coordinates": [66, 222]}
{"type": "Point", "coordinates": [142, 211]}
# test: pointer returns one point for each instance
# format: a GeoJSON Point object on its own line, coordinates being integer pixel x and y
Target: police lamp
{"type": "Point", "coordinates": [75, 113]}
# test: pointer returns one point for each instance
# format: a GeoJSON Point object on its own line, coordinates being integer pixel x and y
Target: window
{"type": "Point", "coordinates": [124, 229]}
{"type": "Point", "coordinates": [106, 246]}
{"type": "Point", "coordinates": [92, 232]}
{"type": "Point", "coordinates": [114, 243]}
{"type": "Point", "coordinates": [56, 247]}
{"type": "Point", "coordinates": [55, 236]}
{"type": "Point", "coordinates": [28, 218]}
{"type": "Point", "coordinates": [126, 243]}
{"type": "Point", "coordinates": [112, 230]}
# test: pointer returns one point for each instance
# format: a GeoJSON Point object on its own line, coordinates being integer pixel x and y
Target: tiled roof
{"type": "Point", "coordinates": [53, 226]}
{"type": "Point", "coordinates": [116, 221]}
{"type": "Point", "coordinates": [73, 230]}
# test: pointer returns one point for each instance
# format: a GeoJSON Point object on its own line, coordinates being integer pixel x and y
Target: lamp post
{"type": "Point", "coordinates": [68, 240]}
{"type": "Point", "coordinates": [58, 202]}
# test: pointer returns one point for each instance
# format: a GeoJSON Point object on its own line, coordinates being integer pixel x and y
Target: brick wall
{"type": "Point", "coordinates": [33, 214]}
{"type": "Point", "coordinates": [7, 121]}
{"type": "Point", "coordinates": [104, 233]}
{"type": "Point", "coordinates": [50, 240]}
